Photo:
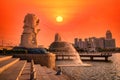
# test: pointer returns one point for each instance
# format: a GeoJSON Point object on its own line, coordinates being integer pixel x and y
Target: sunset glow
{"type": "Point", "coordinates": [79, 18]}
{"type": "Point", "coordinates": [59, 18]}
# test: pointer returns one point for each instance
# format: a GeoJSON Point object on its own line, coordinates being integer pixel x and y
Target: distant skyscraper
{"type": "Point", "coordinates": [101, 42]}
{"type": "Point", "coordinates": [76, 41]}
{"type": "Point", "coordinates": [109, 41]}
{"type": "Point", "coordinates": [93, 43]}
{"type": "Point", "coordinates": [108, 34]}
{"type": "Point", "coordinates": [86, 43]}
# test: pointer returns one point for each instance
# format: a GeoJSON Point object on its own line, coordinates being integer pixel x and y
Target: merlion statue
{"type": "Point", "coordinates": [29, 35]}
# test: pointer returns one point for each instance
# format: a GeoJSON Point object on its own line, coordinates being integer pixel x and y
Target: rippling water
{"type": "Point", "coordinates": [98, 70]}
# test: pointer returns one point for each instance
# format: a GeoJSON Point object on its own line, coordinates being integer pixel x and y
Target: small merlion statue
{"type": "Point", "coordinates": [29, 35]}
{"type": "Point", "coordinates": [57, 37]}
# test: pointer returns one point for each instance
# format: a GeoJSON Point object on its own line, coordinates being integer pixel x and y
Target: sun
{"type": "Point", "coordinates": [59, 18]}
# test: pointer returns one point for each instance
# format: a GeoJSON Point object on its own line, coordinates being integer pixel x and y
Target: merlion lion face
{"type": "Point", "coordinates": [35, 21]}
{"type": "Point", "coordinates": [31, 20]}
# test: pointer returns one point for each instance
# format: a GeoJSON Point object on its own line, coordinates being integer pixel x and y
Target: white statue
{"type": "Point", "coordinates": [57, 37]}
{"type": "Point", "coordinates": [29, 35]}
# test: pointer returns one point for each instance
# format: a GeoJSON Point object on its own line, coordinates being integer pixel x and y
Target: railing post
{"type": "Point", "coordinates": [33, 72]}
{"type": "Point", "coordinates": [91, 58]}
{"type": "Point", "coordinates": [33, 75]}
{"type": "Point", "coordinates": [106, 58]}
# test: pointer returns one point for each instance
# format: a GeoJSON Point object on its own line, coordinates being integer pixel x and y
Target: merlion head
{"type": "Point", "coordinates": [31, 20]}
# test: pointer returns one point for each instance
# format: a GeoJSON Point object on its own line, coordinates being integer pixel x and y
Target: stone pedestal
{"type": "Point", "coordinates": [47, 59]}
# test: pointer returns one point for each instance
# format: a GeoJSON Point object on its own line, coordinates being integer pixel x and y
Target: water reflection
{"type": "Point", "coordinates": [99, 70]}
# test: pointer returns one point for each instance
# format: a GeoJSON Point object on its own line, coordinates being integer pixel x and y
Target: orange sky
{"type": "Point", "coordinates": [82, 18]}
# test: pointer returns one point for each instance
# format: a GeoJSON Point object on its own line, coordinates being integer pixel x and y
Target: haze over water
{"type": "Point", "coordinates": [98, 71]}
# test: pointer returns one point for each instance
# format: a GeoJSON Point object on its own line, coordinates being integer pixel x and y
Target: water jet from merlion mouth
{"type": "Point", "coordinates": [60, 47]}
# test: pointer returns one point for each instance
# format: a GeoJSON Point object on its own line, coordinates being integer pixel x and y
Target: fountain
{"type": "Point", "coordinates": [63, 48]}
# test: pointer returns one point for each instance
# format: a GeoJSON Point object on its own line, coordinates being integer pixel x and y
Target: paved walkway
{"type": "Point", "coordinates": [44, 73]}
{"type": "Point", "coordinates": [40, 73]}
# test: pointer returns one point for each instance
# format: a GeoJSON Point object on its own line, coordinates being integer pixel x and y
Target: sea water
{"type": "Point", "coordinates": [99, 70]}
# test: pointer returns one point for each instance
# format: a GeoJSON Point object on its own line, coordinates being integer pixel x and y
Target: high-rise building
{"type": "Point", "coordinates": [109, 41]}
{"type": "Point", "coordinates": [101, 43]}
{"type": "Point", "coordinates": [108, 34]}
{"type": "Point", "coordinates": [81, 44]}
{"type": "Point", "coordinates": [76, 42]}
{"type": "Point", "coordinates": [93, 43]}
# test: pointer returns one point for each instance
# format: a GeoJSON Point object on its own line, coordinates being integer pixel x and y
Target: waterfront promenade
{"type": "Point", "coordinates": [23, 70]}
{"type": "Point", "coordinates": [85, 56]}
{"type": "Point", "coordinates": [91, 56]}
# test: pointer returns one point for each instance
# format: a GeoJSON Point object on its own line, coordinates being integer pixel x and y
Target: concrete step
{"type": "Point", "coordinates": [7, 63]}
{"type": "Point", "coordinates": [25, 75]}
{"type": "Point", "coordinates": [40, 73]}
{"type": "Point", "coordinates": [14, 71]}
{"type": "Point", "coordinates": [2, 58]}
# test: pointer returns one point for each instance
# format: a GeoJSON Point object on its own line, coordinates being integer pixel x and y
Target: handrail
{"type": "Point", "coordinates": [33, 71]}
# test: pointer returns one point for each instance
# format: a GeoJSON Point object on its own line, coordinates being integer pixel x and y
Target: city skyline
{"type": "Point", "coordinates": [93, 43]}
{"type": "Point", "coordinates": [80, 19]}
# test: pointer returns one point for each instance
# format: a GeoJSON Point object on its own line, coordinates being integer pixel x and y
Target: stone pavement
{"type": "Point", "coordinates": [44, 73]}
